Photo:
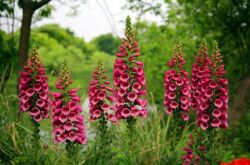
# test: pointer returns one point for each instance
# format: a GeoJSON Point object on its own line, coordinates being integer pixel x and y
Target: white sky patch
{"type": "Point", "coordinates": [95, 17]}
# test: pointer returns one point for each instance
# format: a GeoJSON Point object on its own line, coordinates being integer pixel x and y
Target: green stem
{"type": "Point", "coordinates": [72, 152]}
{"type": "Point", "coordinates": [104, 141]}
{"type": "Point", "coordinates": [131, 134]}
{"type": "Point", "coordinates": [214, 139]}
{"type": "Point", "coordinates": [36, 137]}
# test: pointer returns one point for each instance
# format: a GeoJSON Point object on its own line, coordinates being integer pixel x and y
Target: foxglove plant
{"type": "Point", "coordinates": [210, 96]}
{"type": "Point", "coordinates": [33, 93]}
{"type": "Point", "coordinates": [100, 97]}
{"type": "Point", "coordinates": [211, 92]}
{"type": "Point", "coordinates": [33, 89]}
{"type": "Point", "coordinates": [68, 123]}
{"type": "Point", "coordinates": [129, 82]}
{"type": "Point", "coordinates": [177, 95]}
{"type": "Point", "coordinates": [177, 88]}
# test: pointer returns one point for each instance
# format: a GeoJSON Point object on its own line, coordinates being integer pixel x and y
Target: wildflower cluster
{"type": "Point", "coordinates": [67, 121]}
{"type": "Point", "coordinates": [129, 81]}
{"type": "Point", "coordinates": [33, 89]}
{"type": "Point", "coordinates": [210, 93]}
{"type": "Point", "coordinates": [177, 88]}
{"type": "Point", "coordinates": [99, 96]}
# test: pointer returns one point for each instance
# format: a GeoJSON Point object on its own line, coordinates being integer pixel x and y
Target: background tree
{"type": "Point", "coordinates": [28, 8]}
{"type": "Point", "coordinates": [107, 43]}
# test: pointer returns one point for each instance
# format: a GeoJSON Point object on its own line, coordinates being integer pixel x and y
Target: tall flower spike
{"type": "Point", "coordinates": [201, 73]}
{"type": "Point", "coordinates": [67, 120]}
{"type": "Point", "coordinates": [129, 81]}
{"type": "Point", "coordinates": [219, 116]}
{"type": "Point", "coordinates": [33, 89]}
{"type": "Point", "coordinates": [177, 88]}
{"type": "Point", "coordinates": [99, 96]}
{"type": "Point", "coordinates": [211, 93]}
{"type": "Point", "coordinates": [219, 85]}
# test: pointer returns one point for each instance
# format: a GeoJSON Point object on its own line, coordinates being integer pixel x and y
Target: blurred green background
{"type": "Point", "coordinates": [190, 21]}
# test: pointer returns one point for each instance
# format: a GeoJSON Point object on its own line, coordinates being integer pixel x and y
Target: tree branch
{"type": "Point", "coordinates": [40, 4]}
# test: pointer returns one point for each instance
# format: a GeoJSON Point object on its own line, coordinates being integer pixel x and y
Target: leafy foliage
{"type": "Point", "coordinates": [106, 43]}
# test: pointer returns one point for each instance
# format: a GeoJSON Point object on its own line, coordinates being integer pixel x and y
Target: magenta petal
{"type": "Point", "coordinates": [173, 104]}
{"type": "Point", "coordinates": [135, 112]}
{"type": "Point", "coordinates": [72, 136]}
{"type": "Point", "coordinates": [179, 82]}
{"type": "Point", "coordinates": [205, 118]}
{"type": "Point", "coordinates": [24, 99]}
{"type": "Point", "coordinates": [43, 95]}
{"type": "Point", "coordinates": [25, 107]}
{"type": "Point", "coordinates": [72, 105]}
{"type": "Point", "coordinates": [101, 95]}
{"type": "Point", "coordinates": [171, 95]}
{"type": "Point", "coordinates": [216, 113]}
{"type": "Point", "coordinates": [216, 123]}
{"type": "Point", "coordinates": [37, 118]}
{"type": "Point", "coordinates": [97, 113]}
{"type": "Point", "coordinates": [40, 103]}
{"type": "Point", "coordinates": [169, 111]}
{"type": "Point", "coordinates": [61, 138]}
{"type": "Point", "coordinates": [121, 92]}
{"type": "Point", "coordinates": [62, 118]}
{"type": "Point", "coordinates": [30, 92]}
{"type": "Point", "coordinates": [68, 126]}
{"type": "Point", "coordinates": [35, 111]}
{"type": "Point", "coordinates": [125, 112]}
{"type": "Point", "coordinates": [57, 94]}
{"type": "Point", "coordinates": [132, 96]}
{"type": "Point", "coordinates": [76, 98]}
{"type": "Point", "coordinates": [218, 103]}
{"type": "Point", "coordinates": [37, 87]}
{"type": "Point", "coordinates": [65, 110]}
{"type": "Point", "coordinates": [94, 101]}
{"type": "Point", "coordinates": [204, 126]}
{"type": "Point", "coordinates": [124, 77]}
{"type": "Point", "coordinates": [184, 100]}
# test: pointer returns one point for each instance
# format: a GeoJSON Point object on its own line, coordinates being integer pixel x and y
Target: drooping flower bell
{"type": "Point", "coordinates": [33, 89]}
{"type": "Point", "coordinates": [68, 122]}
{"type": "Point", "coordinates": [177, 87]}
{"type": "Point", "coordinates": [99, 96]}
{"type": "Point", "coordinates": [129, 81]}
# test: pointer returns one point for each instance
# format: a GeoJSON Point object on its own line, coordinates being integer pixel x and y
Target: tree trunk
{"type": "Point", "coordinates": [24, 37]}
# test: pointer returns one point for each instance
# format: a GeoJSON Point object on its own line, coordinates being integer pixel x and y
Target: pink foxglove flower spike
{"type": "Point", "coordinates": [129, 81]}
{"type": "Point", "coordinates": [33, 80]}
{"type": "Point", "coordinates": [129, 85]}
{"type": "Point", "coordinates": [177, 88]}
{"type": "Point", "coordinates": [33, 96]}
{"type": "Point", "coordinates": [99, 97]}
{"type": "Point", "coordinates": [68, 122]}
{"type": "Point", "coordinates": [210, 96]}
